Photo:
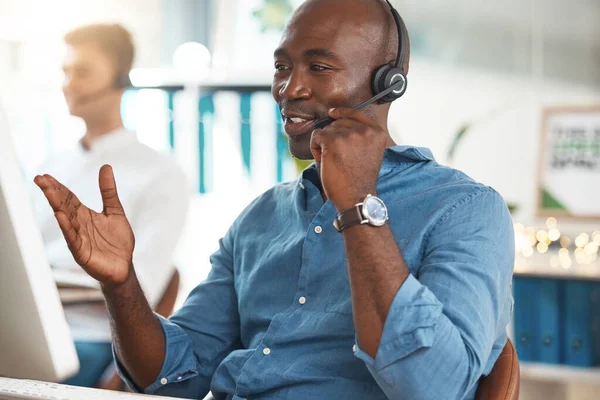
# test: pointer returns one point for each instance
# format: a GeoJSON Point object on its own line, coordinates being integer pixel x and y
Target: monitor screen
{"type": "Point", "coordinates": [35, 339]}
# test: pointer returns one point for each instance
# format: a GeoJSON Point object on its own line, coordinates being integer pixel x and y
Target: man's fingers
{"type": "Point", "coordinates": [59, 197]}
{"type": "Point", "coordinates": [71, 236]}
{"type": "Point", "coordinates": [108, 190]}
{"type": "Point", "coordinates": [70, 201]}
{"type": "Point", "coordinates": [75, 222]}
{"type": "Point", "coordinates": [41, 181]}
{"type": "Point", "coordinates": [315, 144]}
{"type": "Point", "coordinates": [322, 139]}
{"type": "Point", "coordinates": [44, 184]}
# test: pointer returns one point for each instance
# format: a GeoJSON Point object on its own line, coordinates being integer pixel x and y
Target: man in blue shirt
{"type": "Point", "coordinates": [407, 302]}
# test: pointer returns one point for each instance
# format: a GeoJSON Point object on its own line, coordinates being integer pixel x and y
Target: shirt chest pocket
{"type": "Point", "coordinates": [339, 299]}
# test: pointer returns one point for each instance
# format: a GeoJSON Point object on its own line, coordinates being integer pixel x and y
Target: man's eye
{"type": "Point", "coordinates": [318, 68]}
{"type": "Point", "coordinates": [281, 67]}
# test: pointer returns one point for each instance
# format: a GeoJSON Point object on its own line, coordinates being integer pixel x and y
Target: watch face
{"type": "Point", "coordinates": [375, 211]}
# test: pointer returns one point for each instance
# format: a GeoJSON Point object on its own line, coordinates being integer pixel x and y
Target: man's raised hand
{"type": "Point", "coordinates": [101, 243]}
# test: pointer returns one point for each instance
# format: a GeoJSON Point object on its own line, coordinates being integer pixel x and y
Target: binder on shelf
{"type": "Point", "coordinates": [595, 324]}
{"type": "Point", "coordinates": [549, 300]}
{"type": "Point", "coordinates": [525, 315]}
{"type": "Point", "coordinates": [581, 344]}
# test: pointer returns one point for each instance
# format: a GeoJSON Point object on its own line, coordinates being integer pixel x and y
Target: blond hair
{"type": "Point", "coordinates": [112, 39]}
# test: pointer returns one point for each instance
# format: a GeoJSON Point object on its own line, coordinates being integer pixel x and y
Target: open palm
{"type": "Point", "coordinates": [101, 243]}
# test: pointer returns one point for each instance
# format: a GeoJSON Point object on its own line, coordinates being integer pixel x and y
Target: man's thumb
{"type": "Point", "coordinates": [108, 190]}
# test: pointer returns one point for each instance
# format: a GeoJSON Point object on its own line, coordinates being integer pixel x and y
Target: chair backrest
{"type": "Point", "coordinates": [504, 380]}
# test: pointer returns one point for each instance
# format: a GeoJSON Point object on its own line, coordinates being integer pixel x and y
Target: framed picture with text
{"type": "Point", "coordinates": [569, 163]}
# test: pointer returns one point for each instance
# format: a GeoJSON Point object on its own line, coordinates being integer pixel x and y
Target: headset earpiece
{"type": "Point", "coordinates": [386, 76]}
{"type": "Point", "coordinates": [123, 81]}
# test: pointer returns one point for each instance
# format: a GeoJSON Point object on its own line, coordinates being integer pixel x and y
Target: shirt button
{"type": "Point", "coordinates": [179, 378]}
{"type": "Point", "coordinates": [354, 348]}
{"type": "Point", "coordinates": [302, 300]}
{"type": "Point", "coordinates": [302, 186]}
{"type": "Point", "coordinates": [318, 229]}
{"type": "Point", "coordinates": [163, 381]}
{"type": "Point", "coordinates": [266, 351]}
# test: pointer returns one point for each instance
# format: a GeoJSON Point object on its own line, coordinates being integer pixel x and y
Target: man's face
{"type": "Point", "coordinates": [89, 75]}
{"type": "Point", "coordinates": [325, 60]}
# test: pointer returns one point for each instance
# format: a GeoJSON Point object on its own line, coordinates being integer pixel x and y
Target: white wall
{"type": "Point", "coordinates": [43, 23]}
{"type": "Point", "coordinates": [502, 148]}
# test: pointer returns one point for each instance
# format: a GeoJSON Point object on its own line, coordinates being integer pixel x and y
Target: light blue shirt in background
{"type": "Point", "coordinates": [274, 318]}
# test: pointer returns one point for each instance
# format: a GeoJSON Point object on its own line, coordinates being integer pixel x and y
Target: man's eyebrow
{"type": "Point", "coordinates": [281, 52]}
{"type": "Point", "coordinates": [321, 53]}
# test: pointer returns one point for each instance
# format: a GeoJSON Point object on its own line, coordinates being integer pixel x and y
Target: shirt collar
{"type": "Point", "coordinates": [407, 154]}
{"type": "Point", "coordinates": [112, 140]}
{"type": "Point", "coordinates": [393, 157]}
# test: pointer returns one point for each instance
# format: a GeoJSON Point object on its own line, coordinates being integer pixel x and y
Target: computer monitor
{"type": "Point", "coordinates": [35, 339]}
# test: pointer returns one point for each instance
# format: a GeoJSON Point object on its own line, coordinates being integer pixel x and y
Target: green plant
{"type": "Point", "coordinates": [273, 14]}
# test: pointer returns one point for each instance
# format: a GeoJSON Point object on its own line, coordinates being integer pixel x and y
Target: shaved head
{"type": "Point", "coordinates": [371, 17]}
{"type": "Point", "coordinates": [327, 57]}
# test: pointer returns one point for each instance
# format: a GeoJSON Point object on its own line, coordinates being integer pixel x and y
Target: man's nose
{"type": "Point", "coordinates": [295, 87]}
{"type": "Point", "coordinates": [67, 84]}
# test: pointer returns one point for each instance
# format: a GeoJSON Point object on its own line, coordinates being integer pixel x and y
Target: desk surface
{"type": "Point", "coordinates": [28, 389]}
{"type": "Point", "coordinates": [78, 296]}
{"type": "Point", "coordinates": [74, 279]}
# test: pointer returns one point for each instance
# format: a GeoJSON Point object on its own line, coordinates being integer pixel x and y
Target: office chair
{"type": "Point", "coordinates": [503, 382]}
{"type": "Point", "coordinates": [110, 379]}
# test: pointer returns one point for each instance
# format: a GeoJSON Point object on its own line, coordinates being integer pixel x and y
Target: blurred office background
{"type": "Point", "coordinates": [485, 69]}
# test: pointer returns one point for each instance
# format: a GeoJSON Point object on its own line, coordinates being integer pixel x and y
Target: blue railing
{"type": "Point", "coordinates": [205, 130]}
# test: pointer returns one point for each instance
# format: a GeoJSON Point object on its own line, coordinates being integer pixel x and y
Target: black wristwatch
{"type": "Point", "coordinates": [371, 211]}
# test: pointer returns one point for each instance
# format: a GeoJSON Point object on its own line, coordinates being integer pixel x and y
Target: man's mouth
{"type": "Point", "coordinates": [297, 120]}
{"type": "Point", "coordinates": [298, 125]}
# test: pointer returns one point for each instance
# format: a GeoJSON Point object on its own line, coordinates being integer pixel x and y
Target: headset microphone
{"type": "Point", "coordinates": [389, 81]}
{"type": "Point", "coordinates": [94, 96]}
{"type": "Point", "coordinates": [324, 122]}
{"type": "Point", "coordinates": [122, 82]}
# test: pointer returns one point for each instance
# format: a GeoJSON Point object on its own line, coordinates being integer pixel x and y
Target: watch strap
{"type": "Point", "coordinates": [349, 218]}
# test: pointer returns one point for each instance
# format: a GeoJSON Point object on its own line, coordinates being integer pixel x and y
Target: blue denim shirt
{"type": "Point", "coordinates": [273, 320]}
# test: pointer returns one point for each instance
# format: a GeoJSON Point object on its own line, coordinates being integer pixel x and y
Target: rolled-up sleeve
{"type": "Point", "coordinates": [178, 367]}
{"type": "Point", "coordinates": [200, 335]}
{"type": "Point", "coordinates": [443, 322]}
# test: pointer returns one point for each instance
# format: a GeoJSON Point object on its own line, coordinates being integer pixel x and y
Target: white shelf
{"type": "Point", "coordinates": [559, 373]}
{"type": "Point", "coordinates": [539, 265]}
{"type": "Point", "coordinates": [586, 273]}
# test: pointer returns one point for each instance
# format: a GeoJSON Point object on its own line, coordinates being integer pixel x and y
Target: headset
{"type": "Point", "coordinates": [389, 81]}
{"type": "Point", "coordinates": [121, 82]}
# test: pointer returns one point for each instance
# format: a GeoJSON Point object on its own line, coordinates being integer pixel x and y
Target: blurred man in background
{"type": "Point", "coordinates": [96, 68]}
